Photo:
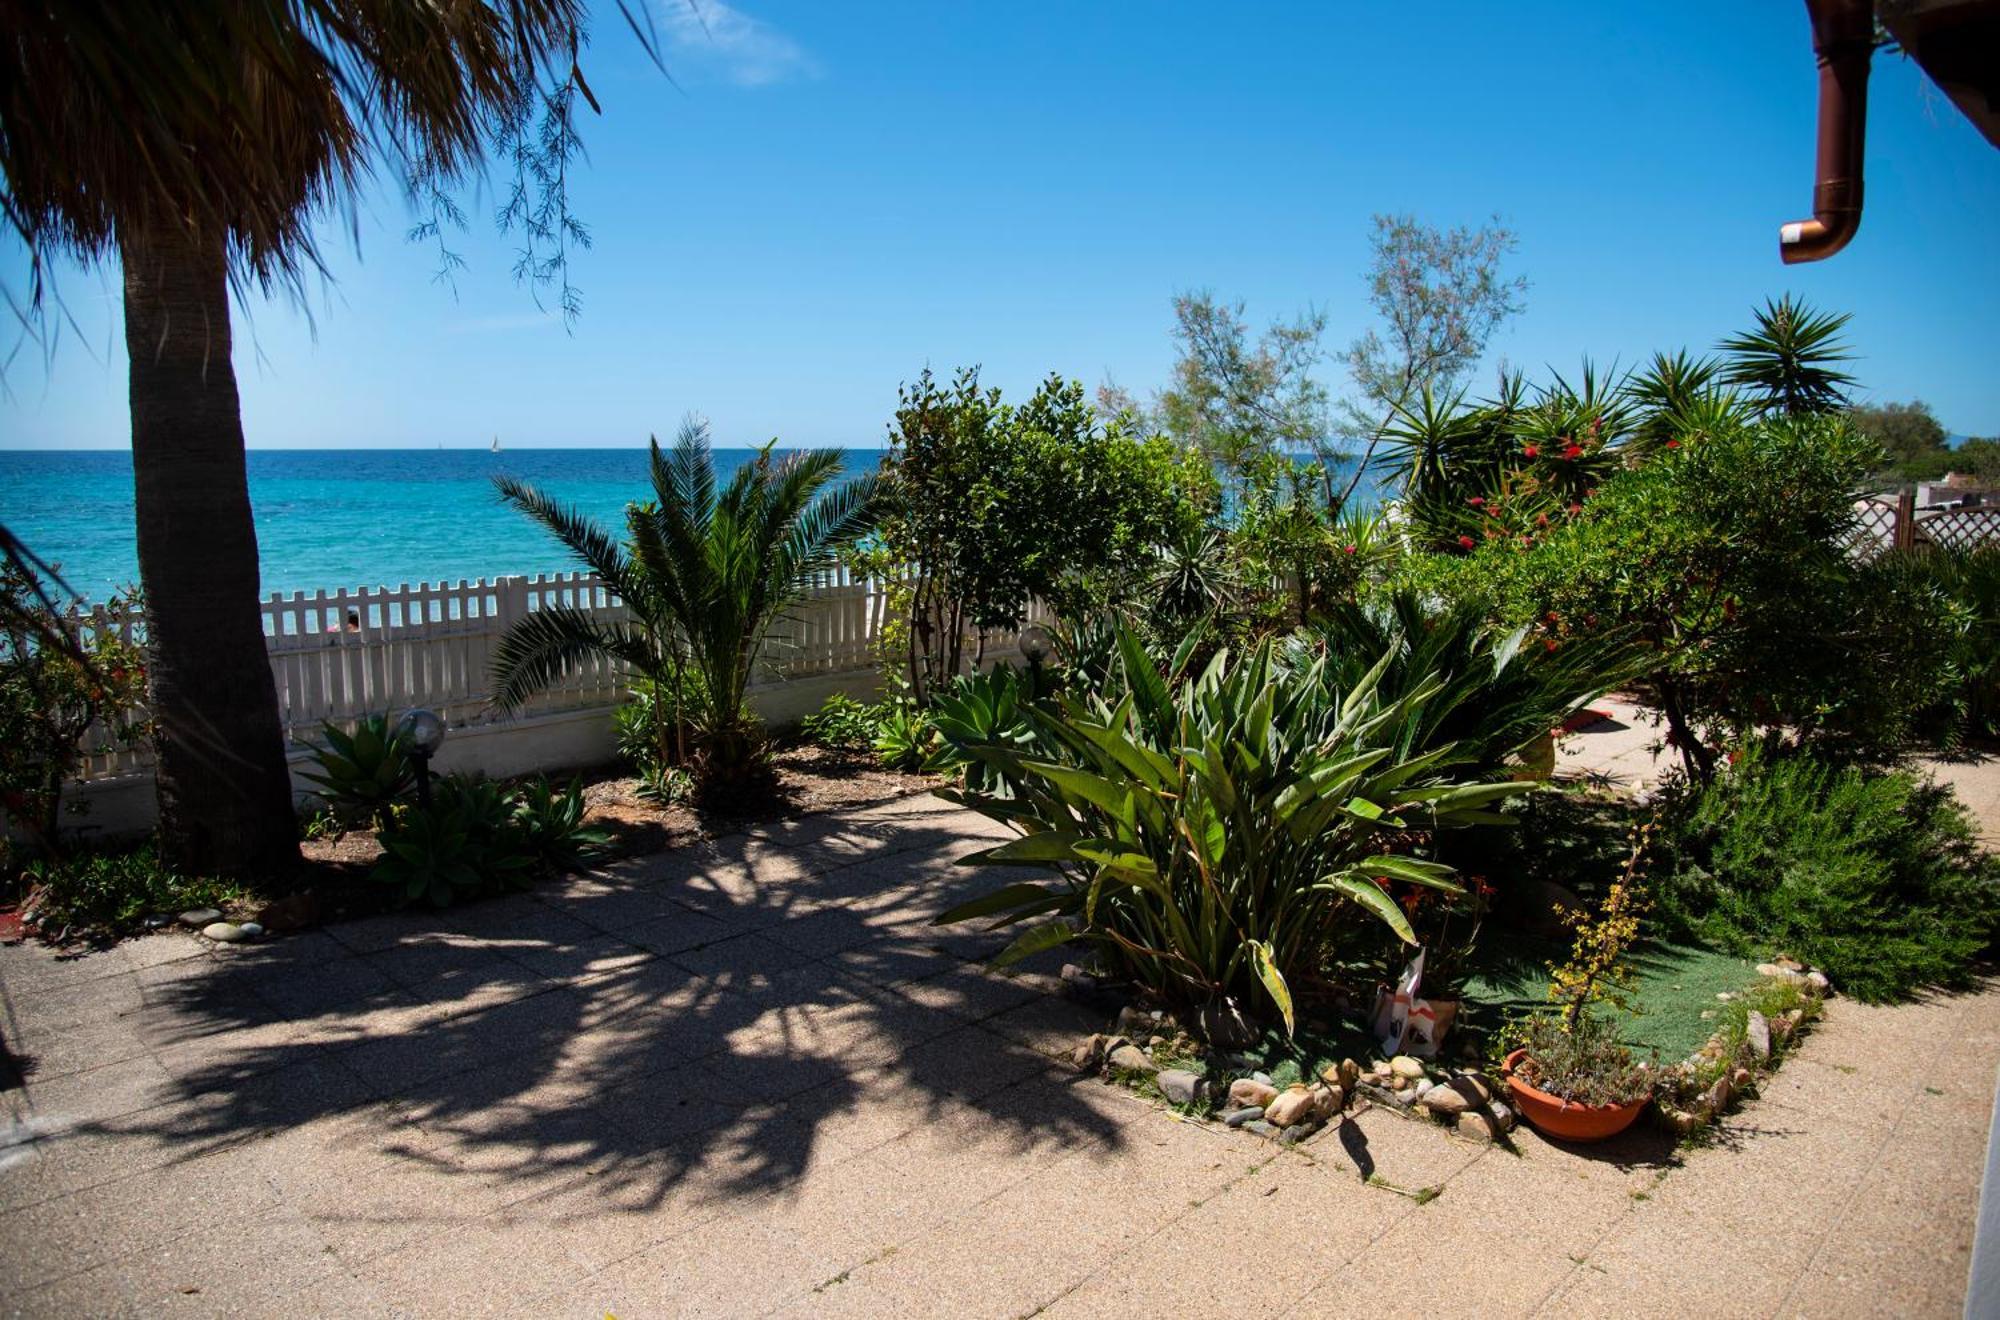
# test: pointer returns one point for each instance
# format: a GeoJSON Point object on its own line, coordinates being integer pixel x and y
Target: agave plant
{"type": "Point", "coordinates": [469, 841]}
{"type": "Point", "coordinates": [705, 574]}
{"type": "Point", "coordinates": [362, 774]}
{"type": "Point", "coordinates": [1211, 839]}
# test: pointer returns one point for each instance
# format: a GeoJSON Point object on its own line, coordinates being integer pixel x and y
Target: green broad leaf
{"type": "Point", "coordinates": [1124, 862]}
{"type": "Point", "coordinates": [1370, 895]}
{"type": "Point", "coordinates": [1000, 900]}
{"type": "Point", "coordinates": [1149, 690]}
{"type": "Point", "coordinates": [1434, 874]}
{"type": "Point", "coordinates": [1033, 940]}
{"type": "Point", "coordinates": [1262, 961]}
{"type": "Point", "coordinates": [1092, 789]}
{"type": "Point", "coordinates": [1363, 808]}
{"type": "Point", "coordinates": [1043, 847]}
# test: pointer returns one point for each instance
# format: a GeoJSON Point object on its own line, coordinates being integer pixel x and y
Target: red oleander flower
{"type": "Point", "coordinates": [1673, 444]}
{"type": "Point", "coordinates": [1353, 549]}
{"type": "Point", "coordinates": [1575, 509]}
{"type": "Point", "coordinates": [1465, 542]}
{"type": "Point", "coordinates": [1411, 902]}
{"type": "Point", "coordinates": [1574, 451]}
{"type": "Point", "coordinates": [1553, 617]}
{"type": "Point", "coordinates": [1531, 451]}
{"type": "Point", "coordinates": [1541, 520]}
{"type": "Point", "coordinates": [1550, 644]}
{"type": "Point", "coordinates": [1476, 501]}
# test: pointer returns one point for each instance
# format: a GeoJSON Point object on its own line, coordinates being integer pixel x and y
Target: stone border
{"type": "Point", "coordinates": [1146, 1050]}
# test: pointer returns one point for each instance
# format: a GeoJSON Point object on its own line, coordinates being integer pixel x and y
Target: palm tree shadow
{"type": "Point", "coordinates": [708, 1024]}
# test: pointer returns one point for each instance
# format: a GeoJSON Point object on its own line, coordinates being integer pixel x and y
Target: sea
{"type": "Point", "coordinates": [331, 518]}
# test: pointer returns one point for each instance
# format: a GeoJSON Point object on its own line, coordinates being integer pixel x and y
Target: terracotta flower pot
{"type": "Point", "coordinates": [1566, 1120]}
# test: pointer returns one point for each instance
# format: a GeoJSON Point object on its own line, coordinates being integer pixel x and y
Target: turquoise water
{"type": "Point", "coordinates": [337, 518]}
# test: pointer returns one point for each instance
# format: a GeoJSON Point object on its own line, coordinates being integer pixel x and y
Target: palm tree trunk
{"type": "Point", "coordinates": [225, 793]}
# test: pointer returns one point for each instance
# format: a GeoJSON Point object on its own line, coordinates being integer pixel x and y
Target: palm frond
{"type": "Point", "coordinates": [539, 649]}
{"type": "Point", "coordinates": [583, 537]}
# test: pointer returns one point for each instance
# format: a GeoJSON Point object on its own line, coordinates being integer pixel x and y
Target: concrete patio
{"type": "Point", "coordinates": [750, 1078]}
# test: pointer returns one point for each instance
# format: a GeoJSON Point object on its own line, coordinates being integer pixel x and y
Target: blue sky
{"type": "Point", "coordinates": [836, 195]}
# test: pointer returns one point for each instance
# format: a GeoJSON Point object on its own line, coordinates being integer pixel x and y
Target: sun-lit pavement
{"type": "Point", "coordinates": [1626, 750]}
{"type": "Point", "coordinates": [752, 1079]}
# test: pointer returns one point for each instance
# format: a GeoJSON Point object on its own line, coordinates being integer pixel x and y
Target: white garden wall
{"type": "Point", "coordinates": [340, 655]}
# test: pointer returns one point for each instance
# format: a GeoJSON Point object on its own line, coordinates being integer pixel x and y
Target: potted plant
{"type": "Point", "coordinates": [1569, 1073]}
{"type": "Point", "coordinates": [1573, 1079]}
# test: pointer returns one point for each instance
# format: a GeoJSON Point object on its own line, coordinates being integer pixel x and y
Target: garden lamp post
{"type": "Point", "coordinates": [423, 733]}
{"type": "Point", "coordinates": [1035, 645]}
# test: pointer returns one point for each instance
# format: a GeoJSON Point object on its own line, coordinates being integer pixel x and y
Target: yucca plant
{"type": "Point", "coordinates": [1789, 363]}
{"type": "Point", "coordinates": [1212, 839]}
{"type": "Point", "coordinates": [1498, 690]}
{"type": "Point", "coordinates": [705, 574]}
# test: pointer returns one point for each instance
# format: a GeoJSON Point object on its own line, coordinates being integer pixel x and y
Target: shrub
{"type": "Point", "coordinates": [468, 842]}
{"type": "Point", "coordinates": [905, 739]}
{"type": "Point", "coordinates": [97, 895]}
{"type": "Point", "coordinates": [1955, 593]}
{"type": "Point", "coordinates": [991, 504]}
{"type": "Point", "coordinates": [1875, 878]}
{"type": "Point", "coordinates": [551, 821]}
{"type": "Point", "coordinates": [362, 774]}
{"type": "Point", "coordinates": [842, 724]}
{"type": "Point", "coordinates": [1212, 839]}
{"type": "Point", "coordinates": [1724, 559]}
{"type": "Point", "coordinates": [65, 688]}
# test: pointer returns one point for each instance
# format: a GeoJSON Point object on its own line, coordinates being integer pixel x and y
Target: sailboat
{"type": "Point", "coordinates": [496, 444]}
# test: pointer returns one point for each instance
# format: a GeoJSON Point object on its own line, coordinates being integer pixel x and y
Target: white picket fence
{"type": "Point", "coordinates": [343, 654]}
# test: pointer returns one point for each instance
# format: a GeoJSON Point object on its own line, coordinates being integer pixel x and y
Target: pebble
{"type": "Point", "coordinates": [156, 920]}
{"type": "Point", "coordinates": [1407, 1066]}
{"type": "Point", "coordinates": [1446, 1100]}
{"type": "Point", "coordinates": [1130, 1058]}
{"type": "Point", "coordinates": [1349, 1072]}
{"type": "Point", "coordinates": [1249, 1091]}
{"type": "Point", "coordinates": [1290, 1107]}
{"type": "Point", "coordinates": [1758, 1032]}
{"type": "Point", "coordinates": [1260, 1127]}
{"type": "Point", "coordinates": [252, 929]}
{"type": "Point", "coordinates": [1296, 1133]}
{"type": "Point", "coordinates": [1327, 1101]}
{"type": "Point", "coordinates": [201, 916]}
{"type": "Point", "coordinates": [1474, 1086]}
{"type": "Point", "coordinates": [1180, 1086]}
{"type": "Point", "coordinates": [223, 932]}
{"type": "Point", "coordinates": [1237, 1118]}
{"type": "Point", "coordinates": [1503, 1115]}
{"type": "Point", "coordinates": [1474, 1124]}
{"type": "Point", "coordinates": [1263, 1077]}
{"type": "Point", "coordinates": [1818, 981]}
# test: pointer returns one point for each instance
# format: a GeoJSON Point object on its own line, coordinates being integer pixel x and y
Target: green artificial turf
{"type": "Point", "coordinates": [1674, 986]}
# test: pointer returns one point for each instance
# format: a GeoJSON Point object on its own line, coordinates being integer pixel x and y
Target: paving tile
{"type": "Point", "coordinates": [114, 1220]}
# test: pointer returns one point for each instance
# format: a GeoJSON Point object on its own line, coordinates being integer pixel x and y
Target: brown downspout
{"type": "Point", "coordinates": [1844, 41]}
